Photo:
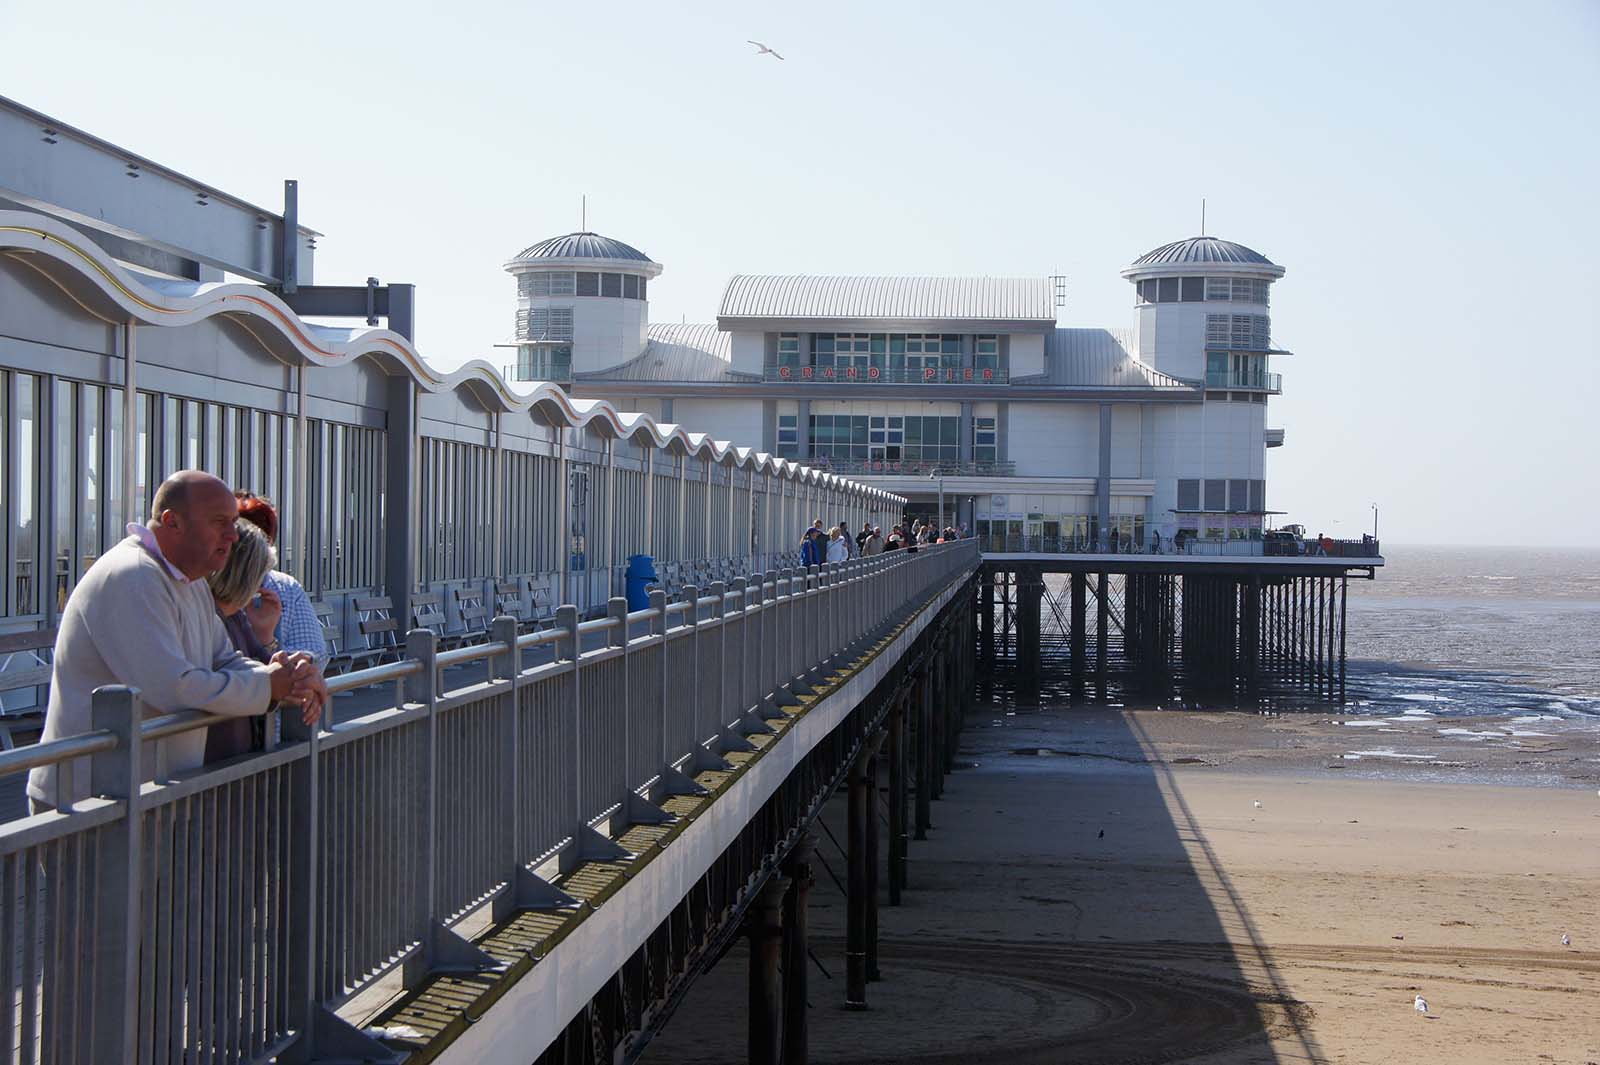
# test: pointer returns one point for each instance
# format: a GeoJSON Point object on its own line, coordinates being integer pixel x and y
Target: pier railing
{"type": "Point", "coordinates": [224, 914]}
{"type": "Point", "coordinates": [1066, 545]}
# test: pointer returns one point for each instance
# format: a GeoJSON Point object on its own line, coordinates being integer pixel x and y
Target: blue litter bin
{"type": "Point", "coordinates": [641, 574]}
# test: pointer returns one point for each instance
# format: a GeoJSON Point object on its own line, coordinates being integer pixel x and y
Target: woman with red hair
{"type": "Point", "coordinates": [297, 627]}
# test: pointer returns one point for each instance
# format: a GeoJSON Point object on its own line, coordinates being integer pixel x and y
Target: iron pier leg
{"type": "Point", "coordinates": [796, 964]}
{"type": "Point", "coordinates": [1102, 622]}
{"type": "Point", "coordinates": [1080, 643]}
{"type": "Point", "coordinates": [1344, 597]}
{"type": "Point", "coordinates": [897, 799]}
{"type": "Point", "coordinates": [923, 699]}
{"type": "Point", "coordinates": [764, 923]}
{"type": "Point", "coordinates": [986, 617]}
{"type": "Point", "coordinates": [872, 869]}
{"type": "Point", "coordinates": [855, 945]}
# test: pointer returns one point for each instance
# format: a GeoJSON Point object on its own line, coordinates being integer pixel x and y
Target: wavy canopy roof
{"type": "Point", "coordinates": [108, 291]}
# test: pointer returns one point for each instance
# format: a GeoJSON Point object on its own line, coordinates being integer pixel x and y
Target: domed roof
{"type": "Point", "coordinates": [583, 245]}
{"type": "Point", "coordinates": [1202, 250]}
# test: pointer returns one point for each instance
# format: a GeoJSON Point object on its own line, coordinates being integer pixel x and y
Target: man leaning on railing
{"type": "Point", "coordinates": [143, 616]}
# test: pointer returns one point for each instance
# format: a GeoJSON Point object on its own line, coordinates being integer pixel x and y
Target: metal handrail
{"type": "Point", "coordinates": [554, 754]}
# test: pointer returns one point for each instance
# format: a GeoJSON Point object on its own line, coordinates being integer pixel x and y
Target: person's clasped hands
{"type": "Point", "coordinates": [297, 680]}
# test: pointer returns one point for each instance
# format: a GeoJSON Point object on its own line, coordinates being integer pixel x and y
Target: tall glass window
{"type": "Point", "coordinates": [26, 540]}
{"type": "Point", "coordinates": [789, 349]}
{"type": "Point", "coordinates": [984, 447]}
{"type": "Point", "coordinates": [986, 352]}
{"type": "Point", "coordinates": [789, 436]}
{"type": "Point", "coordinates": [66, 496]}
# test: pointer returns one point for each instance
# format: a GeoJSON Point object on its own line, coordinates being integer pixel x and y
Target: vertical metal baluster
{"type": "Point", "coordinates": [30, 859]}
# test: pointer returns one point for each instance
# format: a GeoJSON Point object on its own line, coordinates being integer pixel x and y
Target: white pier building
{"type": "Point", "coordinates": [1059, 435]}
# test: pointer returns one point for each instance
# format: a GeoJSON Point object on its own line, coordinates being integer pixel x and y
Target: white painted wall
{"type": "Point", "coordinates": [1204, 440]}
{"type": "Point", "coordinates": [605, 331]}
{"type": "Point", "coordinates": [749, 352]}
{"type": "Point", "coordinates": [734, 420]}
{"type": "Point", "coordinates": [1027, 354]}
{"type": "Point", "coordinates": [1055, 439]}
{"type": "Point", "coordinates": [1127, 439]}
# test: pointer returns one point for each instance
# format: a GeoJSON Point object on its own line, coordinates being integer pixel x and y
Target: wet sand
{"type": "Point", "coordinates": [1204, 928]}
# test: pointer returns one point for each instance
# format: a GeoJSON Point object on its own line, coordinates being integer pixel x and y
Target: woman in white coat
{"type": "Point", "coordinates": [838, 546]}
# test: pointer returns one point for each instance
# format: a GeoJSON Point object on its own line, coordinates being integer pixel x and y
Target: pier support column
{"type": "Point", "coordinates": [1102, 626]}
{"type": "Point", "coordinates": [856, 884]}
{"type": "Point", "coordinates": [1080, 644]}
{"type": "Point", "coordinates": [1250, 636]}
{"type": "Point", "coordinates": [897, 798]}
{"type": "Point", "coordinates": [796, 965]}
{"type": "Point", "coordinates": [872, 869]}
{"type": "Point", "coordinates": [986, 618]}
{"type": "Point", "coordinates": [764, 925]}
{"type": "Point", "coordinates": [1030, 591]}
{"type": "Point", "coordinates": [922, 701]}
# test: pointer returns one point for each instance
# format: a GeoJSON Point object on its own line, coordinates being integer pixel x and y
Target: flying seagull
{"type": "Point", "coordinates": [764, 50]}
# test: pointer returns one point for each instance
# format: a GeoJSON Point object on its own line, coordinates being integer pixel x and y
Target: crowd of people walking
{"type": "Point", "coordinates": [819, 545]}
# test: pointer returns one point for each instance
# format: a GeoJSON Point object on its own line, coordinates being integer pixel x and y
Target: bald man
{"type": "Point", "coordinates": [143, 616]}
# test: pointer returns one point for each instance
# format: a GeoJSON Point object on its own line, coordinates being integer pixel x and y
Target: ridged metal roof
{"type": "Point", "coordinates": [1096, 358]}
{"type": "Point", "coordinates": [583, 246]}
{"type": "Point", "coordinates": [687, 353]}
{"type": "Point", "coordinates": [808, 296]}
{"type": "Point", "coordinates": [1202, 250]}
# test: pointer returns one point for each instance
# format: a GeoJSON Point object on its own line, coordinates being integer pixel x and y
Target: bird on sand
{"type": "Point", "coordinates": [1258, 804]}
{"type": "Point", "coordinates": [1566, 940]}
{"type": "Point", "coordinates": [764, 50]}
{"type": "Point", "coordinates": [1420, 1005]}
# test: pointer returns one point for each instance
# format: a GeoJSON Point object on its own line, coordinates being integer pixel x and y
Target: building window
{"type": "Point", "coordinates": [1216, 495]}
{"type": "Point", "coordinates": [1237, 289]}
{"type": "Point", "coordinates": [1238, 496]}
{"type": "Point", "coordinates": [546, 323]}
{"type": "Point", "coordinates": [1258, 497]}
{"type": "Point", "coordinates": [788, 349]}
{"type": "Point", "coordinates": [885, 440]}
{"type": "Point", "coordinates": [630, 287]}
{"type": "Point", "coordinates": [984, 447]}
{"type": "Point", "coordinates": [986, 352]}
{"type": "Point", "coordinates": [1194, 289]}
{"type": "Point", "coordinates": [1167, 290]}
{"type": "Point", "coordinates": [588, 284]}
{"type": "Point", "coordinates": [789, 436]}
{"type": "Point", "coordinates": [1249, 332]}
{"type": "Point", "coordinates": [611, 285]}
{"type": "Point", "coordinates": [1188, 494]}
{"type": "Point", "coordinates": [546, 283]}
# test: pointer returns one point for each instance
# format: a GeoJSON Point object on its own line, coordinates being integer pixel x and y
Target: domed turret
{"type": "Point", "coordinates": [582, 305]}
{"type": "Point", "coordinates": [1225, 287]}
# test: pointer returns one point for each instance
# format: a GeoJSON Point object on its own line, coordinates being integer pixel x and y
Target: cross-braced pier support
{"type": "Point", "coordinates": [1245, 632]}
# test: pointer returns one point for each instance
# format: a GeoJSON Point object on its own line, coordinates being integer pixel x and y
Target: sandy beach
{"type": "Point", "coordinates": [1256, 897]}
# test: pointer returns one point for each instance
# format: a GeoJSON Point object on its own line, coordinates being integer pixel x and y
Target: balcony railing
{"type": "Point", "coordinates": [1002, 543]}
{"type": "Point", "coordinates": [1259, 381]}
{"type": "Point", "coordinates": [540, 368]}
{"type": "Point", "coordinates": [915, 468]}
{"type": "Point", "coordinates": [884, 375]}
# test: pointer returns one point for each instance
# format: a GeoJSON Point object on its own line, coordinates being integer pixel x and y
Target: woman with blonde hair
{"type": "Point", "coordinates": [250, 615]}
{"type": "Point", "coordinates": [838, 545]}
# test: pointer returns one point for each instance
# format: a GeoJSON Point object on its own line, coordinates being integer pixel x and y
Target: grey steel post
{"type": "Point", "coordinates": [739, 588]}
{"type": "Point", "coordinates": [508, 666]}
{"type": "Point", "coordinates": [423, 688]}
{"type": "Point", "coordinates": [856, 857]}
{"type": "Point", "coordinates": [301, 887]}
{"type": "Point", "coordinates": [658, 603]}
{"type": "Point", "coordinates": [569, 648]}
{"type": "Point", "coordinates": [924, 752]}
{"type": "Point", "coordinates": [774, 680]}
{"type": "Point", "coordinates": [617, 636]}
{"type": "Point", "coordinates": [719, 596]}
{"type": "Point", "coordinates": [116, 774]}
{"type": "Point", "coordinates": [871, 900]}
{"type": "Point", "coordinates": [691, 618]}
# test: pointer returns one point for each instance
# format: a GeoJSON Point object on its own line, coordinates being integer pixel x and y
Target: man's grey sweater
{"type": "Point", "coordinates": [130, 621]}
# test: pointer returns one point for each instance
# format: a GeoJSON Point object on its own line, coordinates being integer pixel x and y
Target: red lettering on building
{"type": "Point", "coordinates": [827, 371]}
{"type": "Point", "coordinates": [929, 374]}
{"type": "Point", "coordinates": [988, 375]}
{"type": "Point", "coordinates": [967, 373]}
{"type": "Point", "coordinates": [784, 372]}
{"type": "Point", "coordinates": [850, 372]}
{"type": "Point", "coordinates": [806, 371]}
{"type": "Point", "coordinates": [872, 373]}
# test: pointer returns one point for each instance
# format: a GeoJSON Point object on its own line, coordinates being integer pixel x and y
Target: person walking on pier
{"type": "Point", "coordinates": [143, 616]}
{"type": "Point", "coordinates": [862, 537]}
{"type": "Point", "coordinates": [873, 545]}
{"type": "Point", "coordinates": [850, 547]}
{"type": "Point", "coordinates": [838, 545]}
{"type": "Point", "coordinates": [808, 549]}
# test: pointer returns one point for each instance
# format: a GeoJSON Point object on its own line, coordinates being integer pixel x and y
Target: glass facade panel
{"type": "Point", "coordinates": [611, 285]}
{"type": "Point", "coordinates": [588, 284]}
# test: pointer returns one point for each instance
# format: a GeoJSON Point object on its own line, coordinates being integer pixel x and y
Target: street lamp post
{"type": "Point", "coordinates": [1374, 523]}
{"type": "Point", "coordinates": [939, 473]}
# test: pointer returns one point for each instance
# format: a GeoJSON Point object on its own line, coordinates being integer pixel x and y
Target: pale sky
{"type": "Point", "coordinates": [1427, 173]}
